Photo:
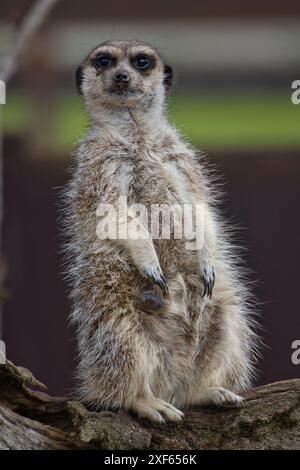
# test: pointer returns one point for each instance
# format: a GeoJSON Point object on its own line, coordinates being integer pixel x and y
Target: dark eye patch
{"type": "Point", "coordinates": [143, 62]}
{"type": "Point", "coordinates": [103, 61]}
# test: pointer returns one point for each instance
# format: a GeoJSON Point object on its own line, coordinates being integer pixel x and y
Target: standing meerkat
{"type": "Point", "coordinates": [160, 326]}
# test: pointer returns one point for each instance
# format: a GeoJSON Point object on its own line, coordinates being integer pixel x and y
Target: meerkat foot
{"type": "Point", "coordinates": [208, 279]}
{"type": "Point", "coordinates": [156, 410]}
{"type": "Point", "coordinates": [219, 396]}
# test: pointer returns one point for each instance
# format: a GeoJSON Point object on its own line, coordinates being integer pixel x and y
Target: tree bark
{"type": "Point", "coordinates": [31, 419]}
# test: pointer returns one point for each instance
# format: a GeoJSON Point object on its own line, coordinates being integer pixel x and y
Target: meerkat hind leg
{"type": "Point", "coordinates": [219, 396]}
{"type": "Point", "coordinates": [156, 410]}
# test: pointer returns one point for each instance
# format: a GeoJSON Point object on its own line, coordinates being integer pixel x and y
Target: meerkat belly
{"type": "Point", "coordinates": [167, 319]}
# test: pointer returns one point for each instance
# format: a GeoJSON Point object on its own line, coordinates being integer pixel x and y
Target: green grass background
{"type": "Point", "coordinates": [209, 120]}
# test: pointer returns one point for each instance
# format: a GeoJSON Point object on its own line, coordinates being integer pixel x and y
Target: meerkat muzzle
{"type": "Point", "coordinates": [121, 79]}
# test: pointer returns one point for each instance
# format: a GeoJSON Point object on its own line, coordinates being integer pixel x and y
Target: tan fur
{"type": "Point", "coordinates": [193, 348]}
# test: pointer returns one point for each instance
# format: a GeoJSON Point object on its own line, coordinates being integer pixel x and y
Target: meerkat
{"type": "Point", "coordinates": [160, 327]}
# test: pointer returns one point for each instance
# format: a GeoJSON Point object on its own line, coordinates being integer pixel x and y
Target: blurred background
{"type": "Point", "coordinates": [234, 63]}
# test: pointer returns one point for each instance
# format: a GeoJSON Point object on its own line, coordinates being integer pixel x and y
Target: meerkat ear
{"type": "Point", "coordinates": [79, 78]}
{"type": "Point", "coordinates": [168, 76]}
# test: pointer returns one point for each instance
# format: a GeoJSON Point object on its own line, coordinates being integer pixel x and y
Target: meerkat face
{"type": "Point", "coordinates": [123, 74]}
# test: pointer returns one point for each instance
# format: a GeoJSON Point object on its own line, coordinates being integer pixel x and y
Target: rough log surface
{"type": "Point", "coordinates": [31, 419]}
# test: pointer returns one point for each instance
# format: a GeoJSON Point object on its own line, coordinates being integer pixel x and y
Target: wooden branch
{"type": "Point", "coordinates": [30, 419]}
{"type": "Point", "coordinates": [24, 35]}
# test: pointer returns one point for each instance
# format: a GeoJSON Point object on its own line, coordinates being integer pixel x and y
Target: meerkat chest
{"type": "Point", "coordinates": [178, 180]}
{"type": "Point", "coordinates": [161, 181]}
{"type": "Point", "coordinates": [164, 200]}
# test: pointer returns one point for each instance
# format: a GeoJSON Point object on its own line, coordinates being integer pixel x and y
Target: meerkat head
{"type": "Point", "coordinates": [127, 74]}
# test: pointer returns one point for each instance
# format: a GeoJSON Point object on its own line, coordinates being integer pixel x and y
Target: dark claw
{"type": "Point", "coordinates": [205, 288]}
{"type": "Point", "coordinates": [208, 279]}
{"type": "Point", "coordinates": [162, 283]}
{"type": "Point", "coordinates": [162, 286]}
{"type": "Point", "coordinates": [156, 277]}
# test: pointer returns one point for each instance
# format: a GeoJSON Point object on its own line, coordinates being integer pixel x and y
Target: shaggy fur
{"type": "Point", "coordinates": [189, 347]}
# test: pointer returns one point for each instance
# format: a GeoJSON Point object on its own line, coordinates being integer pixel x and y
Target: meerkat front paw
{"type": "Point", "coordinates": [155, 275]}
{"type": "Point", "coordinates": [208, 278]}
{"type": "Point", "coordinates": [156, 410]}
{"type": "Point", "coordinates": [219, 396]}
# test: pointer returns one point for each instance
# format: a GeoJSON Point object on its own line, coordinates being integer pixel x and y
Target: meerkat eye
{"type": "Point", "coordinates": [102, 61]}
{"type": "Point", "coordinates": [142, 62]}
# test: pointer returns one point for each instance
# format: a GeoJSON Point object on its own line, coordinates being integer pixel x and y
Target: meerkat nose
{"type": "Point", "coordinates": [121, 77]}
